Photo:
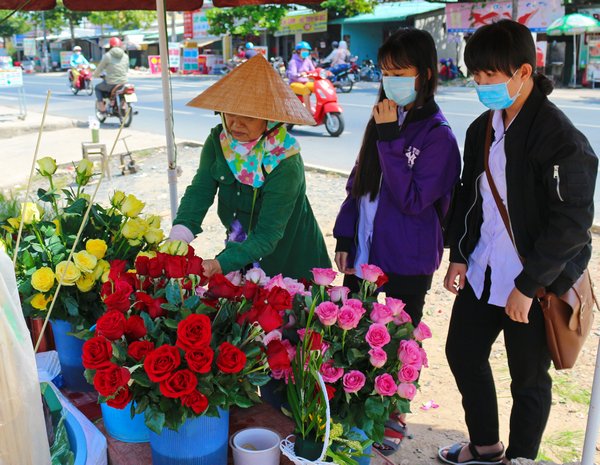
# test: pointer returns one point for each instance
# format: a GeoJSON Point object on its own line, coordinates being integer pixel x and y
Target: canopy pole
{"type": "Point", "coordinates": [167, 113]}
{"type": "Point", "coordinates": [574, 61]}
{"type": "Point", "coordinates": [593, 421]}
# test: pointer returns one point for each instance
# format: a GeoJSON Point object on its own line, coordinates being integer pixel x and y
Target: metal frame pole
{"type": "Point", "coordinates": [593, 420]}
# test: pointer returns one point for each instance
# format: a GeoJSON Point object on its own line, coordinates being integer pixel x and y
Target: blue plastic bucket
{"type": "Point", "coordinates": [120, 425]}
{"type": "Point", "coordinates": [368, 451]}
{"type": "Point", "coordinates": [69, 350]}
{"type": "Point", "coordinates": [199, 441]}
{"type": "Point", "coordinates": [77, 439]}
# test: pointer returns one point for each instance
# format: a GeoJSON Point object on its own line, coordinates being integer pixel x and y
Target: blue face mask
{"type": "Point", "coordinates": [497, 96]}
{"type": "Point", "coordinates": [304, 54]}
{"type": "Point", "coordinates": [400, 89]}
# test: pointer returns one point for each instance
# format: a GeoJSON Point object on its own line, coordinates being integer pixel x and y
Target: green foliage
{"type": "Point", "coordinates": [246, 20]}
{"type": "Point", "coordinates": [124, 19]}
{"type": "Point", "coordinates": [15, 24]}
{"type": "Point", "coordinates": [350, 7]}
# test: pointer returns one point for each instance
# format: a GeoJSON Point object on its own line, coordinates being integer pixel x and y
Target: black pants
{"type": "Point", "coordinates": [414, 301]}
{"type": "Point", "coordinates": [474, 326]}
{"type": "Point", "coordinates": [103, 89]}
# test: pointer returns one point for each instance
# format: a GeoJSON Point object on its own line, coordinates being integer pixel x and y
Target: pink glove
{"type": "Point", "coordinates": [180, 232]}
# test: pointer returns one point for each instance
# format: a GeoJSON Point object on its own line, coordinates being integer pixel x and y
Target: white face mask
{"type": "Point", "coordinates": [400, 89]}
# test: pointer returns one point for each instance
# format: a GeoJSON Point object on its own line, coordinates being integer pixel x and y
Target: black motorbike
{"type": "Point", "coordinates": [118, 104]}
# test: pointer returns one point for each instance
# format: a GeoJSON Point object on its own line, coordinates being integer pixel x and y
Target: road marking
{"type": "Point", "coordinates": [179, 112]}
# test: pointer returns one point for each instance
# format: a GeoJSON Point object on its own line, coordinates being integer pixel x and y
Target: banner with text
{"type": "Point", "coordinates": [306, 24]}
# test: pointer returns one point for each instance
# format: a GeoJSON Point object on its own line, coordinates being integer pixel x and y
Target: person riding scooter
{"type": "Point", "coordinates": [298, 66]}
{"type": "Point", "coordinates": [249, 51]}
{"type": "Point", "coordinates": [78, 61]}
{"type": "Point", "coordinates": [115, 65]}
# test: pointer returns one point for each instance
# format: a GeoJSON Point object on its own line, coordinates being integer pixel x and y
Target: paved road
{"type": "Point", "coordinates": [460, 106]}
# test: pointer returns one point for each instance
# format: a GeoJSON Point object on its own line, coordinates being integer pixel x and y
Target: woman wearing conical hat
{"type": "Point", "coordinates": [254, 167]}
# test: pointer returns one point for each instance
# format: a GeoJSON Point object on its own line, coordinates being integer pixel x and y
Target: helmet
{"type": "Point", "coordinates": [115, 42]}
{"type": "Point", "coordinates": [303, 45]}
{"type": "Point", "coordinates": [77, 48]}
{"type": "Point", "coordinates": [249, 45]}
{"type": "Point", "coordinates": [335, 43]}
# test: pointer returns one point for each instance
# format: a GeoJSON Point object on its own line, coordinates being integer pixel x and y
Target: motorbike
{"type": "Point", "coordinates": [341, 77]}
{"type": "Point", "coordinates": [81, 79]}
{"type": "Point", "coordinates": [370, 72]}
{"type": "Point", "coordinates": [327, 110]}
{"type": "Point", "coordinates": [279, 66]}
{"type": "Point", "coordinates": [118, 104]}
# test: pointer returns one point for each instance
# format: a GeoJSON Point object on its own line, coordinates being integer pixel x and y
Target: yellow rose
{"type": "Point", "coordinates": [154, 236]}
{"type": "Point", "coordinates": [85, 196]}
{"type": "Point", "coordinates": [105, 276]}
{"type": "Point", "coordinates": [2, 246]}
{"type": "Point", "coordinates": [14, 222]}
{"type": "Point", "coordinates": [39, 302]}
{"type": "Point", "coordinates": [85, 261]}
{"type": "Point", "coordinates": [31, 213]}
{"type": "Point", "coordinates": [47, 166]}
{"type": "Point", "coordinates": [117, 199]}
{"type": "Point", "coordinates": [43, 279]}
{"type": "Point", "coordinates": [97, 247]}
{"type": "Point", "coordinates": [132, 207]}
{"type": "Point", "coordinates": [101, 267]}
{"type": "Point", "coordinates": [149, 254]}
{"type": "Point", "coordinates": [134, 242]}
{"type": "Point", "coordinates": [153, 221]}
{"type": "Point", "coordinates": [85, 167]}
{"type": "Point", "coordinates": [67, 273]}
{"type": "Point", "coordinates": [86, 282]}
{"type": "Point", "coordinates": [134, 228]}
{"type": "Point", "coordinates": [174, 248]}
{"type": "Point", "coordinates": [57, 224]}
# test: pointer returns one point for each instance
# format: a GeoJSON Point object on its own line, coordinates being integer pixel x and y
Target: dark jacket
{"type": "Point", "coordinates": [407, 236]}
{"type": "Point", "coordinates": [550, 175]}
{"type": "Point", "coordinates": [285, 236]}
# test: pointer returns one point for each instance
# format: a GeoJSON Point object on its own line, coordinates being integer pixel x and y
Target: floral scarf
{"type": "Point", "coordinates": [245, 158]}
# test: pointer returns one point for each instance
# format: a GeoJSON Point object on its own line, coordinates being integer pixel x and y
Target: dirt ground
{"type": "Point", "coordinates": [430, 427]}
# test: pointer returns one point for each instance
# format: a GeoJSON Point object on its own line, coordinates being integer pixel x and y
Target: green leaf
{"type": "Point", "coordinates": [170, 323]}
{"type": "Point", "coordinates": [140, 377]}
{"type": "Point", "coordinates": [353, 355]}
{"type": "Point", "coordinates": [71, 305]}
{"type": "Point", "coordinates": [154, 420]}
{"type": "Point", "coordinates": [243, 401]}
{"type": "Point", "coordinates": [142, 405]}
{"type": "Point", "coordinates": [374, 408]}
{"type": "Point", "coordinates": [258, 379]}
{"type": "Point", "coordinates": [89, 376]}
{"type": "Point", "coordinates": [191, 302]}
{"type": "Point", "coordinates": [173, 293]}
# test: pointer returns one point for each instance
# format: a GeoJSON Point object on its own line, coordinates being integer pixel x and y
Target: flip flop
{"type": "Point", "coordinates": [398, 426]}
{"type": "Point", "coordinates": [453, 451]}
{"type": "Point", "coordinates": [387, 447]}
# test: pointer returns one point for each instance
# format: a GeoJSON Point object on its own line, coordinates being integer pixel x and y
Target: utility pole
{"type": "Point", "coordinates": [173, 27]}
{"type": "Point", "coordinates": [44, 45]}
{"type": "Point", "coordinates": [515, 10]}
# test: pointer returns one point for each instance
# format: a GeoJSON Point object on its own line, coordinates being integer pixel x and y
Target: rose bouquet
{"type": "Point", "coordinates": [177, 346]}
{"type": "Point", "coordinates": [50, 228]}
{"type": "Point", "coordinates": [372, 355]}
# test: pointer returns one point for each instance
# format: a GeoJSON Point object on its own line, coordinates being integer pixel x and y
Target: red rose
{"type": "Point", "coordinates": [382, 280]}
{"type": "Point", "coordinates": [269, 319]}
{"type": "Point", "coordinates": [111, 325]}
{"type": "Point", "coordinates": [119, 298]}
{"type": "Point", "coordinates": [108, 380]}
{"type": "Point", "coordinates": [160, 363]}
{"type": "Point", "coordinates": [137, 350]}
{"type": "Point", "coordinates": [117, 268]}
{"type": "Point", "coordinates": [279, 299]}
{"type": "Point", "coordinates": [194, 332]}
{"type": "Point", "coordinates": [250, 316]}
{"type": "Point", "coordinates": [97, 352]}
{"type": "Point", "coordinates": [220, 287]}
{"type": "Point", "coordinates": [121, 400]}
{"type": "Point", "coordinates": [250, 290]}
{"type": "Point", "coordinates": [200, 360]}
{"type": "Point", "coordinates": [330, 391]}
{"type": "Point", "coordinates": [196, 401]}
{"type": "Point", "coordinates": [175, 266]}
{"type": "Point", "coordinates": [315, 339]}
{"type": "Point", "coordinates": [144, 302]}
{"type": "Point", "coordinates": [141, 265]}
{"type": "Point", "coordinates": [155, 267]}
{"type": "Point", "coordinates": [179, 384]}
{"type": "Point", "coordinates": [135, 328]}
{"type": "Point", "coordinates": [230, 358]}
{"type": "Point", "coordinates": [194, 266]}
{"type": "Point", "coordinates": [277, 356]}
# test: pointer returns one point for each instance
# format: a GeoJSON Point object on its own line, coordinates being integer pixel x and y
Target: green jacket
{"type": "Point", "coordinates": [285, 237]}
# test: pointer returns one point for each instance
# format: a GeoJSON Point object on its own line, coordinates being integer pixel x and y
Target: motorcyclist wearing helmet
{"type": "Point", "coordinates": [298, 66]}
{"type": "Point", "coordinates": [250, 50]}
{"type": "Point", "coordinates": [115, 65]}
{"type": "Point", "coordinates": [78, 61]}
{"type": "Point", "coordinates": [329, 58]}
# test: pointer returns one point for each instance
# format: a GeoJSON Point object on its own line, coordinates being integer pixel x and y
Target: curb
{"type": "Point", "coordinates": [19, 130]}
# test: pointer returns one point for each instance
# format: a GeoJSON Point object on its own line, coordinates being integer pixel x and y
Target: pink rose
{"type": "Point", "coordinates": [422, 332]}
{"type": "Point", "coordinates": [385, 385]}
{"type": "Point", "coordinates": [338, 293]}
{"type": "Point", "coordinates": [256, 276]}
{"type": "Point", "coordinates": [402, 318]}
{"type": "Point", "coordinates": [349, 317]}
{"type": "Point", "coordinates": [377, 335]}
{"type": "Point", "coordinates": [371, 273]}
{"type": "Point", "coordinates": [327, 313]}
{"type": "Point", "coordinates": [330, 373]}
{"type": "Point", "coordinates": [355, 303]}
{"type": "Point", "coordinates": [408, 374]}
{"type": "Point", "coordinates": [294, 287]}
{"type": "Point", "coordinates": [201, 291]}
{"type": "Point", "coordinates": [407, 391]}
{"type": "Point", "coordinates": [377, 357]}
{"type": "Point", "coordinates": [274, 335]}
{"type": "Point", "coordinates": [284, 374]}
{"type": "Point", "coordinates": [323, 276]}
{"type": "Point", "coordinates": [275, 281]}
{"type": "Point", "coordinates": [353, 381]}
{"type": "Point", "coordinates": [235, 278]}
{"type": "Point", "coordinates": [395, 304]}
{"type": "Point", "coordinates": [291, 350]}
{"type": "Point", "coordinates": [381, 314]}
{"type": "Point", "coordinates": [409, 353]}
{"type": "Point", "coordinates": [424, 360]}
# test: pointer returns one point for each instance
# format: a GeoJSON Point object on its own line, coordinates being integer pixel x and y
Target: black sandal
{"type": "Point", "coordinates": [387, 447]}
{"type": "Point", "coordinates": [453, 451]}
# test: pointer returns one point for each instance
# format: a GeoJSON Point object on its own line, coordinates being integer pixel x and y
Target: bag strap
{"type": "Point", "coordinates": [486, 163]}
{"type": "Point", "coordinates": [438, 203]}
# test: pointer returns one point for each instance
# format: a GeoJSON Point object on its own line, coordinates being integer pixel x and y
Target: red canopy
{"type": "Point", "coordinates": [111, 5]}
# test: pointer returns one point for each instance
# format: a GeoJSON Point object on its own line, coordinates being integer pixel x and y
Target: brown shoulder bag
{"type": "Point", "coordinates": [568, 318]}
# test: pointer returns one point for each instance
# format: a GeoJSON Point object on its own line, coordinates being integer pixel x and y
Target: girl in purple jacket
{"type": "Point", "coordinates": [400, 188]}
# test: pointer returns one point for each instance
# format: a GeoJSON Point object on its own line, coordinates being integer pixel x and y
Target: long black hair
{"type": "Point", "coordinates": [504, 46]}
{"type": "Point", "coordinates": [406, 47]}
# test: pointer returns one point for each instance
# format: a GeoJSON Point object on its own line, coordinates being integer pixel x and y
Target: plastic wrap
{"type": "Point", "coordinates": [23, 439]}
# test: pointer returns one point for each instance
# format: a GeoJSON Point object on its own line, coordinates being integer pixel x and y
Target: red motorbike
{"type": "Point", "coordinates": [81, 79]}
{"type": "Point", "coordinates": [327, 110]}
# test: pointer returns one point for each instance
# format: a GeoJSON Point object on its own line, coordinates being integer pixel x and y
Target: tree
{"type": "Point", "coordinates": [71, 18]}
{"type": "Point", "coordinates": [123, 20]}
{"type": "Point", "coordinates": [350, 7]}
{"type": "Point", "coordinates": [13, 24]}
{"type": "Point", "coordinates": [246, 20]}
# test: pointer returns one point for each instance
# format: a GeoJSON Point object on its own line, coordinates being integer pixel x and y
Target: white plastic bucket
{"type": "Point", "coordinates": [255, 446]}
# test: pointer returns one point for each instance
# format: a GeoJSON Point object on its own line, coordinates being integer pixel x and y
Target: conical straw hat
{"type": "Point", "coordinates": [254, 89]}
